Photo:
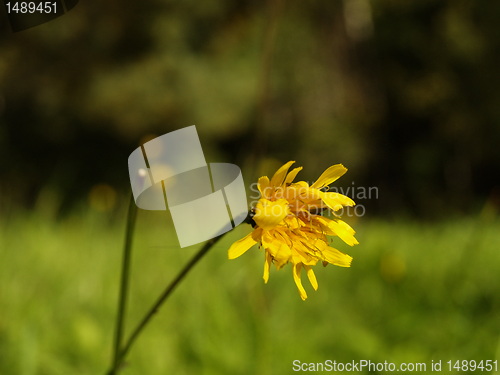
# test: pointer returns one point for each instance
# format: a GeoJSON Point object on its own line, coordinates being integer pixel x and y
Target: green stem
{"type": "Point", "coordinates": [161, 299]}
{"type": "Point", "coordinates": [124, 284]}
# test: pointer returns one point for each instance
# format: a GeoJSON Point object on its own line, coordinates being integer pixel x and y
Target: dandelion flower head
{"type": "Point", "coordinates": [289, 225]}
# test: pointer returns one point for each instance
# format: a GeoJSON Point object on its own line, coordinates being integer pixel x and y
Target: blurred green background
{"type": "Point", "coordinates": [404, 94]}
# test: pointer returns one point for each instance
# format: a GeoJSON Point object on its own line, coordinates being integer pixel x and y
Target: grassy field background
{"type": "Point", "coordinates": [415, 293]}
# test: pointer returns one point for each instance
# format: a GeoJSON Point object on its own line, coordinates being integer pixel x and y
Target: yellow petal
{"type": "Point", "coordinates": [269, 214]}
{"type": "Point", "coordinates": [303, 192]}
{"type": "Point", "coordinates": [302, 253]}
{"type": "Point", "coordinates": [241, 246]}
{"type": "Point", "coordinates": [277, 248]}
{"type": "Point", "coordinates": [336, 257]}
{"type": "Point", "coordinates": [324, 224]}
{"type": "Point", "coordinates": [283, 234]}
{"type": "Point", "coordinates": [329, 176]}
{"type": "Point", "coordinates": [335, 201]}
{"type": "Point", "coordinates": [344, 231]}
{"type": "Point", "coordinates": [267, 266]}
{"type": "Point", "coordinates": [301, 184]}
{"type": "Point", "coordinates": [264, 187]}
{"type": "Point", "coordinates": [280, 174]}
{"type": "Point", "coordinates": [297, 268]}
{"type": "Point", "coordinates": [312, 277]}
{"type": "Point", "coordinates": [291, 176]}
{"type": "Point", "coordinates": [292, 222]}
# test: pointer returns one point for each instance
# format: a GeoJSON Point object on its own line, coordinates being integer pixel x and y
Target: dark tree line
{"type": "Point", "coordinates": [403, 93]}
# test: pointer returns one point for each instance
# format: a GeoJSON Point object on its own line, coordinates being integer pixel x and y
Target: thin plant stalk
{"type": "Point", "coordinates": [120, 354]}
{"type": "Point", "coordinates": [124, 284]}
{"type": "Point", "coordinates": [166, 293]}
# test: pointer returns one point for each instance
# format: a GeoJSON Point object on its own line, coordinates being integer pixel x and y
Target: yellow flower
{"type": "Point", "coordinates": [290, 228]}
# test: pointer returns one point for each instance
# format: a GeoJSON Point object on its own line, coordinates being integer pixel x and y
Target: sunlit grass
{"type": "Point", "coordinates": [415, 292]}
